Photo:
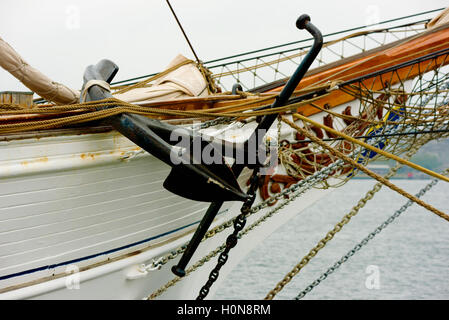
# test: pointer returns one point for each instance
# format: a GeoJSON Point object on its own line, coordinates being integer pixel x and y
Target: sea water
{"type": "Point", "coordinates": [408, 260]}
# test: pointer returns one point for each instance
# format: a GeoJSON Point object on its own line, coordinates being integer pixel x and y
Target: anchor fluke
{"type": "Point", "coordinates": [218, 183]}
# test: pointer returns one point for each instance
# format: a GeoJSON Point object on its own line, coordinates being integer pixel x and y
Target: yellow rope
{"type": "Point", "coordinates": [150, 79]}
{"type": "Point", "coordinates": [377, 150]}
{"type": "Point", "coordinates": [369, 172]}
{"type": "Point", "coordinates": [124, 107]}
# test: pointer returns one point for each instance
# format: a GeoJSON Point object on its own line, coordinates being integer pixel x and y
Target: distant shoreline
{"type": "Point", "coordinates": [395, 178]}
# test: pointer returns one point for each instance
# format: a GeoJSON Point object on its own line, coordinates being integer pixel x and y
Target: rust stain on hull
{"type": "Point", "coordinates": [34, 161]}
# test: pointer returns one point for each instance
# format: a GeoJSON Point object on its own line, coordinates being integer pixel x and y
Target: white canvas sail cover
{"type": "Point", "coordinates": [441, 18]}
{"type": "Point", "coordinates": [185, 81]}
{"type": "Point", "coordinates": [33, 79]}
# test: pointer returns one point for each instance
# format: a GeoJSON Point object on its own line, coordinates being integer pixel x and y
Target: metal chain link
{"type": "Point", "coordinates": [214, 122]}
{"type": "Point", "coordinates": [232, 239]}
{"type": "Point", "coordinates": [312, 179]}
{"type": "Point", "coordinates": [365, 241]}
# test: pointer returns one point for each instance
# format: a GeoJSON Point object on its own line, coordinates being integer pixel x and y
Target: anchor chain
{"type": "Point", "coordinates": [214, 122]}
{"type": "Point", "coordinates": [232, 239]}
{"type": "Point", "coordinates": [365, 241]}
{"type": "Point", "coordinates": [288, 193]}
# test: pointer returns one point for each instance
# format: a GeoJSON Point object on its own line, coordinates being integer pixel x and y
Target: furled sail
{"type": "Point", "coordinates": [33, 79]}
{"type": "Point", "coordinates": [182, 79]}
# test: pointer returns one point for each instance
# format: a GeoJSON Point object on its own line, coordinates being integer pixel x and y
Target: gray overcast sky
{"type": "Point", "coordinates": [61, 38]}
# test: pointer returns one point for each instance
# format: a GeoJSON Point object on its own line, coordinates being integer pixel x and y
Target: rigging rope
{"type": "Point", "coordinates": [364, 144]}
{"type": "Point", "coordinates": [123, 89]}
{"type": "Point", "coordinates": [370, 173]}
{"type": "Point", "coordinates": [115, 107]}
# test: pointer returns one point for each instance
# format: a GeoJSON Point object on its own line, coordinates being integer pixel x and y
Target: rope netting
{"type": "Point", "coordinates": [253, 72]}
{"type": "Point", "coordinates": [398, 112]}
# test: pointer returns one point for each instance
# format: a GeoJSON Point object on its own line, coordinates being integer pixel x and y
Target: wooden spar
{"type": "Point", "coordinates": [379, 59]}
